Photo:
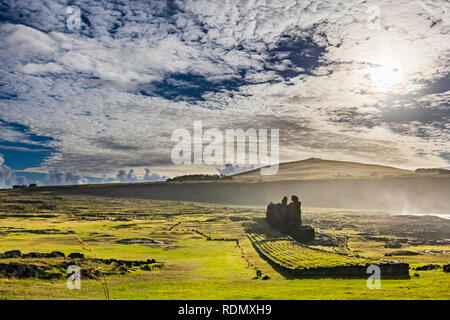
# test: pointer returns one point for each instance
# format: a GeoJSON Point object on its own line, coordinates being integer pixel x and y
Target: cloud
{"type": "Point", "coordinates": [111, 93]}
{"type": "Point", "coordinates": [8, 178]}
{"type": "Point", "coordinates": [230, 169]}
{"type": "Point", "coordinates": [123, 176]}
{"type": "Point", "coordinates": [151, 177]}
{"type": "Point", "coordinates": [64, 177]}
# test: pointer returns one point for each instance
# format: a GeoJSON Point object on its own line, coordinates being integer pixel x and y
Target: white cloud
{"type": "Point", "coordinates": [123, 176]}
{"type": "Point", "coordinates": [230, 169]}
{"type": "Point", "coordinates": [64, 177]}
{"type": "Point", "coordinates": [83, 89]}
{"type": "Point", "coordinates": [8, 178]}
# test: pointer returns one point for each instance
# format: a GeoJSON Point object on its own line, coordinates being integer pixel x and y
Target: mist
{"type": "Point", "coordinates": [402, 195]}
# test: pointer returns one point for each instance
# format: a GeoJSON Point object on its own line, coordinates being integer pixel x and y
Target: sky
{"type": "Point", "coordinates": [97, 101]}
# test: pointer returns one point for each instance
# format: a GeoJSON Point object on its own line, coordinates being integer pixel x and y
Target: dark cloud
{"type": "Point", "coordinates": [423, 115]}
{"type": "Point", "coordinates": [123, 176]}
{"type": "Point", "coordinates": [64, 177]}
{"type": "Point", "coordinates": [111, 144]}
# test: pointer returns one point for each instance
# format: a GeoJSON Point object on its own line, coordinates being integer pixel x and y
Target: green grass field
{"type": "Point", "coordinates": [197, 244]}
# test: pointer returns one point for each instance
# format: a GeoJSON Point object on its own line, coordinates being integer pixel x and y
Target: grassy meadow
{"type": "Point", "coordinates": [197, 243]}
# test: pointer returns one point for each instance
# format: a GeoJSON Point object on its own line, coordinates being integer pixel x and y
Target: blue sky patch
{"type": "Point", "coordinates": [20, 155]}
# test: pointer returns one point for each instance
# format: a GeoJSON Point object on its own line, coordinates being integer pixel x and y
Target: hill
{"type": "Point", "coordinates": [319, 183]}
{"type": "Point", "coordinates": [318, 169]}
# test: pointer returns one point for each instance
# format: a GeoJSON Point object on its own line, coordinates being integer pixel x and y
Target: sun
{"type": "Point", "coordinates": [386, 73]}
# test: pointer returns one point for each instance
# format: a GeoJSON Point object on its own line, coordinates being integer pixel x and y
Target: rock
{"type": "Point", "coordinates": [21, 271]}
{"type": "Point", "coordinates": [109, 261]}
{"type": "Point", "coordinates": [137, 241]}
{"type": "Point", "coordinates": [428, 267]}
{"type": "Point", "coordinates": [446, 268]}
{"type": "Point", "coordinates": [266, 277]}
{"type": "Point", "coordinates": [34, 255]}
{"type": "Point", "coordinates": [12, 254]}
{"type": "Point", "coordinates": [56, 254]}
{"type": "Point", "coordinates": [129, 264]}
{"type": "Point", "coordinates": [302, 234]}
{"type": "Point", "coordinates": [52, 276]}
{"type": "Point", "coordinates": [402, 253]}
{"type": "Point", "coordinates": [75, 255]}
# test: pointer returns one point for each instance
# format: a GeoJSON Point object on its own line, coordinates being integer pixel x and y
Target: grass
{"type": "Point", "coordinates": [196, 268]}
{"type": "Point", "coordinates": [285, 252]}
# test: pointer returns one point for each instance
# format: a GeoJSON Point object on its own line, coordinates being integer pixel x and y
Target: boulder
{"type": "Point", "coordinates": [428, 267]}
{"type": "Point", "coordinates": [302, 234]}
{"type": "Point", "coordinates": [56, 254]}
{"type": "Point", "coordinates": [20, 271]}
{"type": "Point", "coordinates": [76, 255]}
{"type": "Point", "coordinates": [446, 268]}
{"type": "Point", "coordinates": [34, 255]}
{"type": "Point", "coordinates": [12, 254]}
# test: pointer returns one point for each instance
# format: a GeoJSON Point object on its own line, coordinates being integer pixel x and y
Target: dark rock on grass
{"type": "Point", "coordinates": [21, 271]}
{"type": "Point", "coordinates": [51, 276]}
{"type": "Point", "coordinates": [91, 273]}
{"type": "Point", "coordinates": [56, 268]}
{"type": "Point", "coordinates": [109, 261]}
{"type": "Point", "coordinates": [128, 263]}
{"type": "Point", "coordinates": [402, 253]}
{"type": "Point", "coordinates": [56, 254]}
{"type": "Point", "coordinates": [18, 254]}
{"type": "Point", "coordinates": [34, 255]}
{"type": "Point", "coordinates": [428, 267]}
{"type": "Point", "coordinates": [137, 241]}
{"type": "Point", "coordinates": [75, 255]}
{"type": "Point", "coordinates": [266, 277]}
{"type": "Point", "coordinates": [12, 254]}
{"type": "Point", "coordinates": [446, 268]}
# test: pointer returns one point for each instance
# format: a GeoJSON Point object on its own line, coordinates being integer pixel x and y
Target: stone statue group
{"type": "Point", "coordinates": [287, 218]}
{"type": "Point", "coordinates": [283, 215]}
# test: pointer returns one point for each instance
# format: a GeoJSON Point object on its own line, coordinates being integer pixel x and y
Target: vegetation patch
{"type": "Point", "coordinates": [55, 264]}
{"type": "Point", "coordinates": [296, 259]}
